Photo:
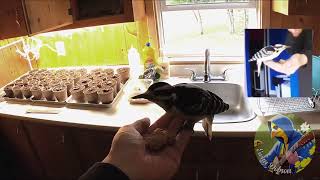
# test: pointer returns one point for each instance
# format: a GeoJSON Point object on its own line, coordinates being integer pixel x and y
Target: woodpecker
{"type": "Point", "coordinates": [267, 53]}
{"type": "Point", "coordinates": [188, 101]}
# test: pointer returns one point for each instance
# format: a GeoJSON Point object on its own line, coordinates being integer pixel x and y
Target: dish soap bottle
{"type": "Point", "coordinates": [148, 56]}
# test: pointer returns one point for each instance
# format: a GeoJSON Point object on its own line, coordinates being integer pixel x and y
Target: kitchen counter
{"type": "Point", "coordinates": [124, 113]}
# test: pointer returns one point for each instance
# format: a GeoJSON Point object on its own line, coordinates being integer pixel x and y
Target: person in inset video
{"type": "Point", "coordinates": [300, 42]}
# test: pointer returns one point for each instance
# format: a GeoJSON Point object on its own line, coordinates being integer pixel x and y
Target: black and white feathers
{"type": "Point", "coordinates": [267, 53]}
{"type": "Point", "coordinates": [190, 101]}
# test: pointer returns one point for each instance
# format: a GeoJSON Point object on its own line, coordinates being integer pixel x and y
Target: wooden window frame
{"type": "Point", "coordinates": [153, 10]}
{"type": "Point", "coordinates": [230, 5]}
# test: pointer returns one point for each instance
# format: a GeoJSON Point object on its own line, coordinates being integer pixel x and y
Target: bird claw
{"type": "Point", "coordinates": [186, 126]}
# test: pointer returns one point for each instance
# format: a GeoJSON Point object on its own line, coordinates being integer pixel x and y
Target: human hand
{"type": "Point", "coordinates": [292, 158]}
{"type": "Point", "coordinates": [128, 151]}
{"type": "Point", "coordinates": [268, 62]}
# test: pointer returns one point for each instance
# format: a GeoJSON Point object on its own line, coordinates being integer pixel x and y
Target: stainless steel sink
{"type": "Point", "coordinates": [239, 111]}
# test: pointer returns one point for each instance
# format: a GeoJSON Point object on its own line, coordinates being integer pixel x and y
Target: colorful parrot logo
{"type": "Point", "coordinates": [292, 151]}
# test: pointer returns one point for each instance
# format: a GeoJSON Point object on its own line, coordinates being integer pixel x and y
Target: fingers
{"type": "Point", "coordinates": [182, 140]}
{"type": "Point", "coordinates": [142, 125]}
{"type": "Point", "coordinates": [174, 152]}
{"type": "Point", "coordinates": [163, 122]}
{"type": "Point", "coordinates": [175, 124]}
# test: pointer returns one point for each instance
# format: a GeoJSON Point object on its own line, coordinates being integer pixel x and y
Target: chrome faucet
{"type": "Point", "coordinates": [207, 74]}
{"type": "Point", "coordinates": [207, 77]}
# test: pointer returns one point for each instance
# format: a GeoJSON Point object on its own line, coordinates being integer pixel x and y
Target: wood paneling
{"type": "Point", "coordinates": [133, 10]}
{"type": "Point", "coordinates": [296, 7]}
{"type": "Point", "coordinates": [139, 9]}
{"type": "Point", "coordinates": [91, 145]}
{"type": "Point", "coordinates": [56, 150]}
{"type": "Point", "coordinates": [12, 22]}
{"type": "Point", "coordinates": [152, 25]}
{"type": "Point", "coordinates": [46, 15]}
{"type": "Point", "coordinates": [24, 162]}
{"type": "Point", "coordinates": [11, 64]}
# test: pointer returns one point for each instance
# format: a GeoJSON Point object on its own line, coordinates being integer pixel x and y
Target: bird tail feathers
{"type": "Point", "coordinates": [207, 126]}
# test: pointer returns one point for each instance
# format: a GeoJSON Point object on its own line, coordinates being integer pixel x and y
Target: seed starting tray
{"type": "Point", "coordinates": [69, 101]}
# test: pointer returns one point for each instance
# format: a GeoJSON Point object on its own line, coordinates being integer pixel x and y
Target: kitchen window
{"type": "Point", "coordinates": [188, 27]}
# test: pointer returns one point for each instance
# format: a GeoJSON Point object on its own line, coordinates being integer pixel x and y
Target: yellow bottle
{"type": "Point", "coordinates": [148, 55]}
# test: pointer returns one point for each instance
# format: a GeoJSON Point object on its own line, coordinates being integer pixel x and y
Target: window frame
{"type": "Point", "coordinates": [201, 6]}
{"type": "Point", "coordinates": [176, 58]}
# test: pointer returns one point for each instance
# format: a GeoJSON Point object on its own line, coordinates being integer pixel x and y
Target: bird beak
{"type": "Point", "coordinates": [273, 134]}
{"type": "Point", "coordinates": [145, 95]}
{"type": "Point", "coordinates": [286, 47]}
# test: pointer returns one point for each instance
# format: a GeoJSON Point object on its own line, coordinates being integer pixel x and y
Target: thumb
{"type": "Point", "coordinates": [142, 125]}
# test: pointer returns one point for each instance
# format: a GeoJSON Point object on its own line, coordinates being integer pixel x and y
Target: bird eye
{"type": "Point", "coordinates": [275, 127]}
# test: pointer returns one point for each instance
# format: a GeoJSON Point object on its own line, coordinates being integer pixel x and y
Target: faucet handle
{"type": "Point", "coordinates": [193, 73]}
{"type": "Point", "coordinates": [226, 70]}
{"type": "Point", "coordinates": [224, 74]}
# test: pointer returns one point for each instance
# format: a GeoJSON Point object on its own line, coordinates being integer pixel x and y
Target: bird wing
{"type": "Point", "coordinates": [194, 101]}
{"type": "Point", "coordinates": [191, 100]}
{"type": "Point", "coordinates": [264, 54]}
{"type": "Point", "coordinates": [217, 105]}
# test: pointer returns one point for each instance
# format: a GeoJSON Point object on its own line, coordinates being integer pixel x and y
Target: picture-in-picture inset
{"type": "Point", "coordinates": [278, 62]}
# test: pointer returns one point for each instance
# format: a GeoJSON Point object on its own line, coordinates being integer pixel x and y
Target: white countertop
{"type": "Point", "coordinates": [124, 113]}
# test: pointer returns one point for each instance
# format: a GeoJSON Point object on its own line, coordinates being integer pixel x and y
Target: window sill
{"type": "Point", "coordinates": [200, 60]}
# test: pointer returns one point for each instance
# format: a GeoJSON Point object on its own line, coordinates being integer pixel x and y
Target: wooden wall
{"type": "Point", "coordinates": [278, 20]}
{"type": "Point", "coordinates": [11, 64]}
